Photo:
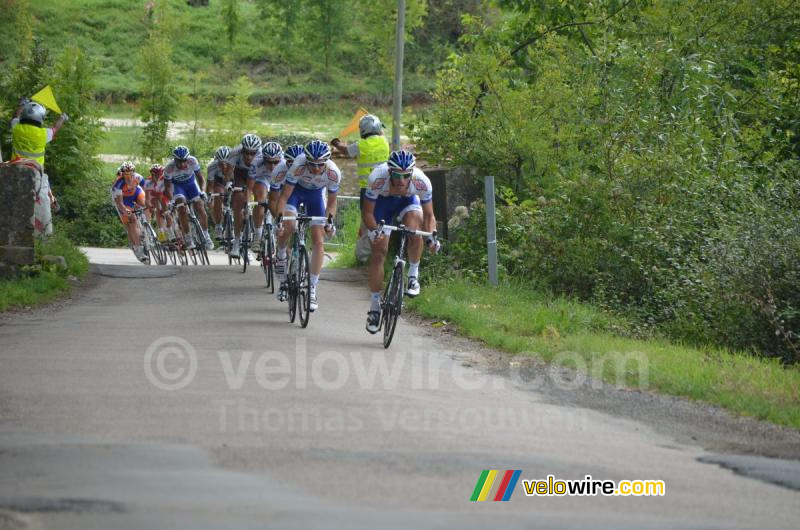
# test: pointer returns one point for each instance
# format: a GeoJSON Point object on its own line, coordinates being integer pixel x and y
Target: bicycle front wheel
{"type": "Point", "coordinates": [267, 257]}
{"type": "Point", "coordinates": [304, 287]}
{"type": "Point", "coordinates": [247, 237]}
{"type": "Point", "coordinates": [392, 304]}
{"type": "Point", "coordinates": [292, 288]}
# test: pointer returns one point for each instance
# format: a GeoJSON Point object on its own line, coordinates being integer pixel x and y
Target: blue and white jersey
{"type": "Point", "coordinates": [300, 174]}
{"type": "Point", "coordinates": [378, 185]}
{"type": "Point", "coordinates": [173, 174]}
{"type": "Point", "coordinates": [274, 178]}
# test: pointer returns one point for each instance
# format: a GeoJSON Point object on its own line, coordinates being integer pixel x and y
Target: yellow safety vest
{"type": "Point", "coordinates": [372, 152]}
{"type": "Point", "coordinates": [29, 141]}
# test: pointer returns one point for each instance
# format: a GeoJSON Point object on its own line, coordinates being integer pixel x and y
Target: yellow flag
{"type": "Point", "coordinates": [46, 98]}
{"type": "Point", "coordinates": [353, 125]}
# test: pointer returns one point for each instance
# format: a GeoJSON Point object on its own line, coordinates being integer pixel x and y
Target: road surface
{"type": "Point", "coordinates": [161, 397]}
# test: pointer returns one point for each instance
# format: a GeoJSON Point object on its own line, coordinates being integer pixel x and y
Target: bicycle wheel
{"type": "Point", "coordinates": [247, 236]}
{"type": "Point", "coordinates": [199, 240]}
{"type": "Point", "coordinates": [267, 256]}
{"type": "Point", "coordinates": [303, 287]}
{"type": "Point", "coordinates": [156, 251]}
{"type": "Point", "coordinates": [291, 288]}
{"type": "Point", "coordinates": [392, 304]}
{"type": "Point", "coordinates": [227, 235]}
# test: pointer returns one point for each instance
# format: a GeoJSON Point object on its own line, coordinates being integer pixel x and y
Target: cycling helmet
{"type": "Point", "coordinates": [402, 161]}
{"type": "Point", "coordinates": [369, 125]}
{"type": "Point", "coordinates": [317, 151]}
{"type": "Point", "coordinates": [127, 166]}
{"type": "Point", "coordinates": [157, 170]}
{"type": "Point", "coordinates": [272, 151]}
{"type": "Point", "coordinates": [181, 153]}
{"type": "Point", "coordinates": [292, 152]}
{"type": "Point", "coordinates": [33, 112]}
{"type": "Point", "coordinates": [222, 153]}
{"type": "Point", "coordinates": [251, 142]}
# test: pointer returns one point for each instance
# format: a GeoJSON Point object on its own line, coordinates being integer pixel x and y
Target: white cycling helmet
{"type": "Point", "coordinates": [251, 142]}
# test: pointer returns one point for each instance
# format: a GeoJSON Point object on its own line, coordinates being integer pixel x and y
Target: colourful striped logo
{"type": "Point", "coordinates": [489, 488]}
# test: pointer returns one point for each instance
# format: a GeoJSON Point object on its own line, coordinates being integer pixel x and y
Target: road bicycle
{"type": "Point", "coordinates": [177, 246]}
{"type": "Point", "coordinates": [298, 277]}
{"type": "Point", "coordinates": [153, 251]}
{"type": "Point", "coordinates": [266, 254]}
{"type": "Point", "coordinates": [226, 241]}
{"type": "Point", "coordinates": [392, 299]}
{"type": "Point", "coordinates": [199, 253]}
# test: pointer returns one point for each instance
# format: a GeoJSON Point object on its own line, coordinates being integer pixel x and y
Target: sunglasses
{"type": "Point", "coordinates": [317, 164]}
{"type": "Point", "coordinates": [249, 153]}
{"type": "Point", "coordinates": [271, 162]}
{"type": "Point", "coordinates": [398, 175]}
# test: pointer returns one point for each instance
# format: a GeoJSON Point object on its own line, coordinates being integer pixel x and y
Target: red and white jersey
{"type": "Point", "coordinates": [378, 184]}
{"type": "Point", "coordinates": [300, 174]}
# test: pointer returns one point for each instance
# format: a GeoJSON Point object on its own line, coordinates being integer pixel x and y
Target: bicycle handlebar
{"type": "Point", "coordinates": [402, 228]}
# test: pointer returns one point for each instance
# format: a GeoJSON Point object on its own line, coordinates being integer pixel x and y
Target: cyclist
{"type": "Point", "coordinates": [292, 152]}
{"type": "Point", "coordinates": [268, 169]}
{"type": "Point", "coordinates": [157, 200]}
{"type": "Point", "coordinates": [397, 190]}
{"type": "Point", "coordinates": [126, 193]}
{"type": "Point", "coordinates": [216, 184]}
{"type": "Point", "coordinates": [240, 161]}
{"type": "Point", "coordinates": [310, 174]}
{"type": "Point", "coordinates": [184, 180]}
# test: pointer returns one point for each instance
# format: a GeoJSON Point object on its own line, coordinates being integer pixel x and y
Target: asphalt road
{"type": "Point", "coordinates": [183, 398]}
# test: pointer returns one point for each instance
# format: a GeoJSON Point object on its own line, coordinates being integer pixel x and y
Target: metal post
{"type": "Point", "coordinates": [491, 231]}
{"type": "Point", "coordinates": [398, 73]}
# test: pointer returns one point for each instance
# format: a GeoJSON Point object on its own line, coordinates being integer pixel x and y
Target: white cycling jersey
{"type": "Point", "coordinates": [236, 159]}
{"type": "Point", "coordinates": [173, 174]}
{"type": "Point", "coordinates": [378, 184]}
{"type": "Point", "coordinates": [214, 171]}
{"type": "Point", "coordinates": [300, 174]}
{"type": "Point", "coordinates": [273, 178]}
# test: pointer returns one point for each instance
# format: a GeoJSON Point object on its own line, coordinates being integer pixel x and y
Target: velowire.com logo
{"type": "Point", "coordinates": [496, 485]}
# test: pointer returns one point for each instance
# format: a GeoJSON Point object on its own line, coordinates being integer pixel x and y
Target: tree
{"type": "Point", "coordinates": [158, 102]}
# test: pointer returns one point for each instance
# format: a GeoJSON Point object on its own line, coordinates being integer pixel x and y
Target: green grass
{"type": "Point", "coordinates": [44, 283]}
{"type": "Point", "coordinates": [347, 236]}
{"type": "Point", "coordinates": [518, 320]}
{"type": "Point", "coordinates": [121, 140]}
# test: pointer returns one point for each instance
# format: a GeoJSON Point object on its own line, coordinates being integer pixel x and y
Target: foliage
{"type": "Point", "coordinates": [158, 103]}
{"type": "Point", "coordinates": [648, 157]}
{"type": "Point", "coordinates": [44, 281]}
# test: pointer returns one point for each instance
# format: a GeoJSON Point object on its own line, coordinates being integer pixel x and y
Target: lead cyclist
{"type": "Point", "coordinates": [396, 191]}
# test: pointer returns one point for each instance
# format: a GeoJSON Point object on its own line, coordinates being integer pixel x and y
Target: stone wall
{"type": "Point", "coordinates": [16, 214]}
{"type": "Point", "coordinates": [452, 187]}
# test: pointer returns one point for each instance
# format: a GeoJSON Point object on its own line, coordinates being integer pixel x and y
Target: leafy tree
{"type": "Point", "coordinates": [158, 103]}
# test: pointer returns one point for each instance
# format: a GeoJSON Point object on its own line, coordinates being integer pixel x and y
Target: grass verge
{"type": "Point", "coordinates": [44, 282]}
{"type": "Point", "coordinates": [516, 319]}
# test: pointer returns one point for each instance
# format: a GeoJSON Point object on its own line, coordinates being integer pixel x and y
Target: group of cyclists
{"type": "Point", "coordinates": [282, 180]}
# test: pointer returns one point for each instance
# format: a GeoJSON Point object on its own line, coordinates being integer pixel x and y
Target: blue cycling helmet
{"type": "Point", "coordinates": [292, 152]}
{"type": "Point", "coordinates": [317, 151]}
{"type": "Point", "coordinates": [181, 153]}
{"type": "Point", "coordinates": [251, 142]}
{"type": "Point", "coordinates": [272, 151]}
{"type": "Point", "coordinates": [402, 161]}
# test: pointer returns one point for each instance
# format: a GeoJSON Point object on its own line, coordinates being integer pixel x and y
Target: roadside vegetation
{"type": "Point", "coordinates": [647, 156]}
{"type": "Point", "coordinates": [45, 281]}
{"type": "Point", "coordinates": [520, 320]}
